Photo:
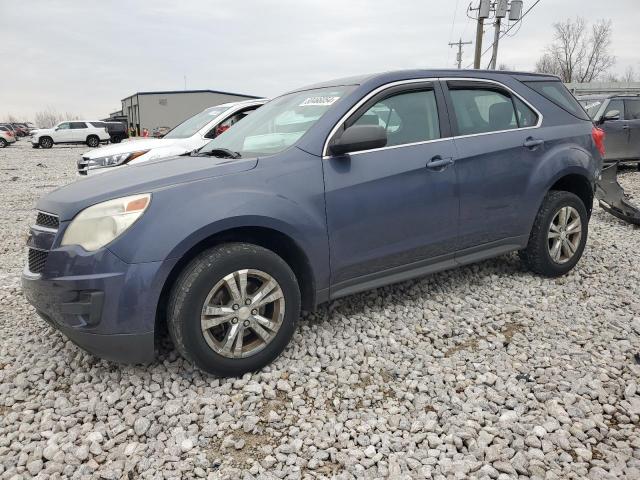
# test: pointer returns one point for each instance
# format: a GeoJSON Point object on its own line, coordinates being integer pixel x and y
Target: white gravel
{"type": "Point", "coordinates": [481, 372]}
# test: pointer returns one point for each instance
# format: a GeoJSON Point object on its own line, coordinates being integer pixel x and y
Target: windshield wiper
{"type": "Point", "coordinates": [220, 153]}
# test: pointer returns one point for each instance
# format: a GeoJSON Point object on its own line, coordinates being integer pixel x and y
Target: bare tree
{"type": "Point", "coordinates": [50, 117]}
{"type": "Point", "coordinates": [578, 53]}
{"type": "Point", "coordinates": [629, 75]}
{"type": "Point", "coordinates": [11, 118]}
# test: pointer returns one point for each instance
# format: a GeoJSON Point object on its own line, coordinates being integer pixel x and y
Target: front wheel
{"type": "Point", "coordinates": [116, 139]}
{"type": "Point", "coordinates": [233, 309]}
{"type": "Point", "coordinates": [46, 142]}
{"type": "Point", "coordinates": [3, 143]}
{"type": "Point", "coordinates": [558, 236]}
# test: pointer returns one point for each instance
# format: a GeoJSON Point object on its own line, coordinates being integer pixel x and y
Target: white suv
{"type": "Point", "coordinates": [190, 135]}
{"type": "Point", "coordinates": [76, 131]}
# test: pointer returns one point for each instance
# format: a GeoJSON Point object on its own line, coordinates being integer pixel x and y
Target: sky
{"type": "Point", "coordinates": [83, 57]}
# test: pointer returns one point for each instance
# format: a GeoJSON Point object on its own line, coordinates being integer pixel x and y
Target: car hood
{"type": "Point", "coordinates": [39, 131]}
{"type": "Point", "coordinates": [133, 146]}
{"type": "Point", "coordinates": [148, 177]}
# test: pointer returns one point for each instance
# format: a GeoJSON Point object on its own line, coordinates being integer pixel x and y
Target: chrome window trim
{"type": "Point", "coordinates": [352, 110]}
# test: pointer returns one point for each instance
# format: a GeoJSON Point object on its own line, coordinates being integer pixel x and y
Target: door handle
{"type": "Point", "coordinates": [531, 142]}
{"type": "Point", "coordinates": [439, 163]}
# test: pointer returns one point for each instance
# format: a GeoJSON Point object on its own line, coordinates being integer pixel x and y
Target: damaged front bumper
{"type": "Point", "coordinates": [612, 198]}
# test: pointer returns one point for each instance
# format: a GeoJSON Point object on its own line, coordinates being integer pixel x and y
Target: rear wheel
{"type": "Point", "coordinates": [93, 141]}
{"type": "Point", "coordinates": [558, 236]}
{"type": "Point", "coordinates": [3, 143]}
{"type": "Point", "coordinates": [233, 309]}
{"type": "Point", "coordinates": [46, 142]}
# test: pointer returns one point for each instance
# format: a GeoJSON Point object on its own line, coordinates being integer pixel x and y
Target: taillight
{"type": "Point", "coordinates": [598, 138]}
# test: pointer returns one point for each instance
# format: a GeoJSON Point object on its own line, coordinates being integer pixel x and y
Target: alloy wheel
{"type": "Point", "coordinates": [565, 233]}
{"type": "Point", "coordinates": [242, 313]}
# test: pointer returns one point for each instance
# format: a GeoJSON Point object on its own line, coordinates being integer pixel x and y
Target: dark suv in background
{"type": "Point", "coordinates": [619, 117]}
{"type": "Point", "coordinates": [323, 192]}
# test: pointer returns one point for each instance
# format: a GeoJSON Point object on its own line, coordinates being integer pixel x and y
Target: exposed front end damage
{"type": "Point", "coordinates": [612, 198]}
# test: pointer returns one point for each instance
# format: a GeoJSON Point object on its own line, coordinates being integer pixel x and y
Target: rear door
{"type": "Point", "coordinates": [616, 140]}
{"type": "Point", "coordinates": [393, 209]}
{"type": "Point", "coordinates": [498, 147]}
{"type": "Point", "coordinates": [78, 132]}
{"type": "Point", "coordinates": [632, 115]}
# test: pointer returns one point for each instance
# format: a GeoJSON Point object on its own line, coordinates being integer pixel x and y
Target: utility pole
{"type": "Point", "coordinates": [501, 7]}
{"type": "Point", "coordinates": [483, 13]}
{"type": "Point", "coordinates": [459, 43]}
{"type": "Point", "coordinates": [496, 38]}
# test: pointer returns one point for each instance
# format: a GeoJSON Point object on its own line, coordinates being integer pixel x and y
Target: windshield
{"type": "Point", "coordinates": [277, 125]}
{"type": "Point", "coordinates": [592, 105]}
{"type": "Point", "coordinates": [191, 125]}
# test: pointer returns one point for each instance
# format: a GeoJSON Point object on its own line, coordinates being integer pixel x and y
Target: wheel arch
{"type": "Point", "coordinates": [276, 241]}
{"type": "Point", "coordinates": [577, 184]}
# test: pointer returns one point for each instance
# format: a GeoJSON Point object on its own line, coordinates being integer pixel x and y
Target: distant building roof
{"type": "Point", "coordinates": [167, 92]}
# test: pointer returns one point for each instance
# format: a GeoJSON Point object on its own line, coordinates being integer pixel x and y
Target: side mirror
{"type": "Point", "coordinates": [359, 137]}
{"type": "Point", "coordinates": [57, 128]}
{"type": "Point", "coordinates": [611, 115]}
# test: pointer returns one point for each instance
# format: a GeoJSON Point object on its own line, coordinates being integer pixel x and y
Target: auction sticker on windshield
{"type": "Point", "coordinates": [319, 101]}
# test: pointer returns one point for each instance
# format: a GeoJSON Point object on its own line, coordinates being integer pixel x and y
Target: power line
{"type": "Point", "coordinates": [453, 23]}
{"type": "Point", "coordinates": [508, 29]}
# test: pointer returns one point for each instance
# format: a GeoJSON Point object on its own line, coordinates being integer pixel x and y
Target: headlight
{"type": "Point", "coordinates": [96, 226]}
{"type": "Point", "coordinates": [113, 160]}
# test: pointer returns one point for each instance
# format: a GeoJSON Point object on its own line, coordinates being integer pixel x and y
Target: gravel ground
{"type": "Point", "coordinates": [481, 372]}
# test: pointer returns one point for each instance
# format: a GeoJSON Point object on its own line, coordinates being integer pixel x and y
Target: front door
{"type": "Point", "coordinates": [632, 114]}
{"type": "Point", "coordinates": [389, 210]}
{"type": "Point", "coordinates": [616, 139]}
{"type": "Point", "coordinates": [63, 133]}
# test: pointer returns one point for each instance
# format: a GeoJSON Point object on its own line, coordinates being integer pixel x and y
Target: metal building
{"type": "Point", "coordinates": [168, 108]}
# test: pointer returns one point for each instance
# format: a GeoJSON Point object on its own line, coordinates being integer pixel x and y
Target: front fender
{"type": "Point", "coordinates": [284, 193]}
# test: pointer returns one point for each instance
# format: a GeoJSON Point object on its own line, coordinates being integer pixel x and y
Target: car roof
{"type": "Point", "coordinates": [398, 75]}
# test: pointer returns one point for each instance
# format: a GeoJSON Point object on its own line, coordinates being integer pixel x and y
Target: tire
{"type": "Point", "coordinates": [195, 289]}
{"type": "Point", "coordinates": [46, 142]}
{"type": "Point", "coordinates": [93, 141]}
{"type": "Point", "coordinates": [116, 139]}
{"type": "Point", "coordinates": [3, 143]}
{"type": "Point", "coordinates": [538, 255]}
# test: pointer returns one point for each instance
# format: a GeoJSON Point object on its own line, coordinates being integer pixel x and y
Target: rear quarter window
{"type": "Point", "coordinates": [557, 93]}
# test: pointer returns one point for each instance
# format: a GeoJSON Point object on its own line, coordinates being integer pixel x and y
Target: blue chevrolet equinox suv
{"type": "Point", "coordinates": [325, 191]}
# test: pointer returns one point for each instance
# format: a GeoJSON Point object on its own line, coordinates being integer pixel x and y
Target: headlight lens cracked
{"type": "Point", "coordinates": [96, 226]}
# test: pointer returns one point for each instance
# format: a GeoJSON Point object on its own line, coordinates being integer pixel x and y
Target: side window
{"type": "Point", "coordinates": [63, 126]}
{"type": "Point", "coordinates": [526, 116]}
{"type": "Point", "coordinates": [480, 110]}
{"type": "Point", "coordinates": [632, 109]}
{"type": "Point", "coordinates": [228, 122]}
{"type": "Point", "coordinates": [407, 117]}
{"type": "Point", "coordinates": [615, 105]}
{"type": "Point", "coordinates": [77, 125]}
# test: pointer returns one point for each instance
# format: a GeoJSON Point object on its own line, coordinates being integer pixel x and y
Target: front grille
{"type": "Point", "coordinates": [37, 259]}
{"type": "Point", "coordinates": [47, 220]}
